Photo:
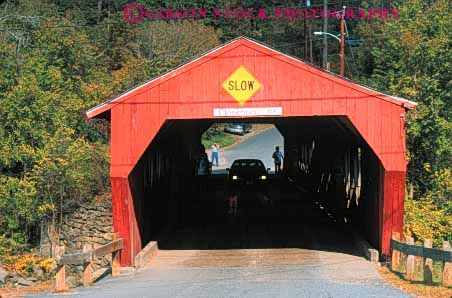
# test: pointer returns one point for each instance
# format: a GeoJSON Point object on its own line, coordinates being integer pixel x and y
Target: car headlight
{"type": "Point", "coordinates": [263, 177]}
{"type": "Point", "coordinates": [235, 177]}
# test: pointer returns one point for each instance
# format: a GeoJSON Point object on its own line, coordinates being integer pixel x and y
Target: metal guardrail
{"type": "Point", "coordinates": [412, 260]}
{"type": "Point", "coordinates": [86, 258]}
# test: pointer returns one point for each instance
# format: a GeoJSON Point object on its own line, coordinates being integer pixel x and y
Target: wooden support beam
{"type": "Point", "coordinates": [75, 259]}
{"type": "Point", "coordinates": [60, 276]}
{"type": "Point", "coordinates": [447, 268]}
{"type": "Point", "coordinates": [410, 262]}
{"type": "Point", "coordinates": [428, 264]}
{"type": "Point", "coordinates": [99, 252]}
{"type": "Point", "coordinates": [87, 268]}
{"type": "Point", "coordinates": [85, 258]}
{"type": "Point", "coordinates": [115, 259]}
{"type": "Point", "coordinates": [395, 260]}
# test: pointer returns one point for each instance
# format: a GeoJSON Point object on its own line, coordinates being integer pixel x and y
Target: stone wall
{"type": "Point", "coordinates": [90, 224]}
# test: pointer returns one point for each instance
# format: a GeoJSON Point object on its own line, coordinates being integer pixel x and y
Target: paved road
{"type": "Point", "coordinates": [283, 247]}
{"type": "Point", "coordinates": [260, 146]}
{"type": "Point", "coordinates": [190, 274]}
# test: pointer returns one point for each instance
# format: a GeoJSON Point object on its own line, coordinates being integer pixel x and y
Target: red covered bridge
{"type": "Point", "coordinates": [156, 130]}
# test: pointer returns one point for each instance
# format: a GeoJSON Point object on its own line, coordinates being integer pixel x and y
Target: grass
{"type": "Point", "coordinates": [437, 272]}
{"type": "Point", "coordinates": [221, 139]}
{"type": "Point", "coordinates": [215, 134]}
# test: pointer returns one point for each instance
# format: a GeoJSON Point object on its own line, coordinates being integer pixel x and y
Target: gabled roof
{"type": "Point", "coordinates": [107, 105]}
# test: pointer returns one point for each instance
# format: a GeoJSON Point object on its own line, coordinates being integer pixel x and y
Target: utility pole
{"type": "Point", "coordinates": [307, 34]}
{"type": "Point", "coordinates": [310, 44]}
{"type": "Point", "coordinates": [325, 38]}
{"type": "Point", "coordinates": [342, 55]}
{"type": "Point", "coordinates": [305, 40]}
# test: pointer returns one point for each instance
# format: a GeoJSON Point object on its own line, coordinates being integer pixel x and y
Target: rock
{"type": "Point", "coordinates": [108, 237]}
{"type": "Point", "coordinates": [24, 282]}
{"type": "Point", "coordinates": [71, 281]}
{"type": "Point", "coordinates": [98, 240]}
{"type": "Point", "coordinates": [76, 225]}
{"type": "Point", "coordinates": [11, 278]}
{"type": "Point", "coordinates": [83, 239]}
{"type": "Point", "coordinates": [91, 224]}
{"type": "Point", "coordinates": [39, 272]}
{"type": "Point", "coordinates": [3, 275]}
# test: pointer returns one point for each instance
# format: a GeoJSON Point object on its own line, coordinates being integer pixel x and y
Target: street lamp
{"type": "Point", "coordinates": [341, 40]}
{"type": "Point", "coordinates": [326, 33]}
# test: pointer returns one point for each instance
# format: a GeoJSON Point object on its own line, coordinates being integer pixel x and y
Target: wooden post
{"type": "Point", "coordinates": [428, 264]}
{"type": "Point", "coordinates": [410, 262]}
{"type": "Point", "coordinates": [395, 260]}
{"type": "Point", "coordinates": [115, 259]}
{"type": "Point", "coordinates": [418, 268]}
{"type": "Point", "coordinates": [60, 277]}
{"type": "Point", "coordinates": [447, 269]}
{"type": "Point", "coordinates": [87, 268]}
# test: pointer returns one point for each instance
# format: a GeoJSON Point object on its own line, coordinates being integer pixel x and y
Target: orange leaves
{"type": "Point", "coordinates": [20, 264]}
{"type": "Point", "coordinates": [46, 264]}
{"type": "Point", "coordinates": [24, 264]}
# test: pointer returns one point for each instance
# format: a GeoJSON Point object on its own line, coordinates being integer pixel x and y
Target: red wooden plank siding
{"type": "Point", "coordinates": [378, 133]}
{"type": "Point", "coordinates": [371, 120]}
{"type": "Point", "coordinates": [306, 94]}
{"type": "Point", "coordinates": [260, 67]}
{"type": "Point", "coordinates": [362, 115]}
{"type": "Point", "coordinates": [193, 91]}
{"type": "Point", "coordinates": [327, 98]}
{"type": "Point", "coordinates": [340, 102]}
{"type": "Point", "coordinates": [174, 96]}
{"type": "Point", "coordinates": [394, 191]}
{"type": "Point", "coordinates": [121, 215]}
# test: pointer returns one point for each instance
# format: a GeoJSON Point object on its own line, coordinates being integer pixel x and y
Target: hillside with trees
{"type": "Point", "coordinates": [59, 58]}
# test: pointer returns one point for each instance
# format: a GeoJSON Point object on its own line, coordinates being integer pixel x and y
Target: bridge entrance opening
{"type": "Point", "coordinates": [329, 189]}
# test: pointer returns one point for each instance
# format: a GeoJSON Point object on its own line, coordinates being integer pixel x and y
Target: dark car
{"type": "Point", "coordinates": [238, 128]}
{"type": "Point", "coordinates": [250, 172]}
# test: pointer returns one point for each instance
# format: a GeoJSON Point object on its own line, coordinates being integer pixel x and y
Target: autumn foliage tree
{"type": "Point", "coordinates": [415, 62]}
{"type": "Point", "coordinates": [60, 58]}
{"type": "Point", "coordinates": [53, 69]}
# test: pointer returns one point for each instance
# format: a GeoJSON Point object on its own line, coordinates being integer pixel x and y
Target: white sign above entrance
{"type": "Point", "coordinates": [248, 112]}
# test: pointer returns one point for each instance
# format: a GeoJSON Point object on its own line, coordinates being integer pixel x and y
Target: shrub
{"type": "Point", "coordinates": [425, 220]}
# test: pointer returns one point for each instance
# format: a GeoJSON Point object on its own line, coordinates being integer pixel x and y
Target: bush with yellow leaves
{"type": "Point", "coordinates": [430, 217]}
{"type": "Point", "coordinates": [16, 257]}
{"type": "Point", "coordinates": [25, 264]}
{"type": "Point", "coordinates": [425, 220]}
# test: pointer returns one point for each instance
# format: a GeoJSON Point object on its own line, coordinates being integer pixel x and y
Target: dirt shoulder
{"type": "Point", "coordinates": [18, 293]}
{"type": "Point", "coordinates": [417, 289]}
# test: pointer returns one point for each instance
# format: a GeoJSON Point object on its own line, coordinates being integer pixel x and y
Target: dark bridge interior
{"type": "Point", "coordinates": [330, 189]}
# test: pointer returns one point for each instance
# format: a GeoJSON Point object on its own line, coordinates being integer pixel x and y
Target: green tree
{"type": "Point", "coordinates": [414, 62]}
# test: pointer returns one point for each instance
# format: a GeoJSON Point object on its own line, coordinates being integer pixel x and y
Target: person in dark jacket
{"type": "Point", "coordinates": [278, 158]}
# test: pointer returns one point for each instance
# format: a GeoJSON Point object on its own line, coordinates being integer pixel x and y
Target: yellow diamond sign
{"type": "Point", "coordinates": [241, 85]}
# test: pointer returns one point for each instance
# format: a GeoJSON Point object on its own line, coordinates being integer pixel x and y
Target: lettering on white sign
{"type": "Point", "coordinates": [247, 112]}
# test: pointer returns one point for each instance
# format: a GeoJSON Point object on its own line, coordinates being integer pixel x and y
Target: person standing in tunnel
{"type": "Point", "coordinates": [215, 149]}
{"type": "Point", "coordinates": [202, 172]}
{"type": "Point", "coordinates": [277, 157]}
